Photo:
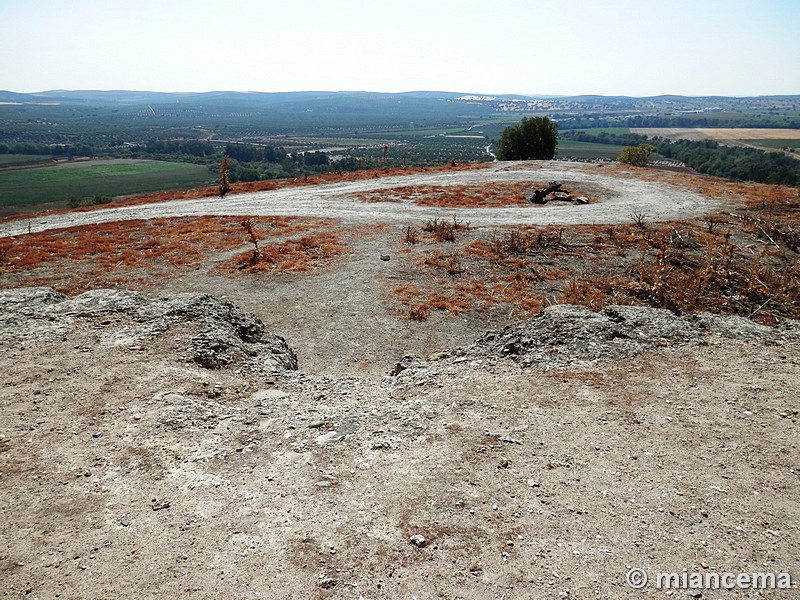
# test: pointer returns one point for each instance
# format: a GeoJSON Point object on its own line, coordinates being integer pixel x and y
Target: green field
{"type": "Point", "coordinates": [609, 130]}
{"type": "Point", "coordinates": [9, 160]}
{"type": "Point", "coordinates": [419, 133]}
{"type": "Point", "coordinates": [25, 187]}
{"type": "Point", "coordinates": [568, 148]}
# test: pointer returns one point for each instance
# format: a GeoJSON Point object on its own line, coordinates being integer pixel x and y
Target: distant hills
{"type": "Point", "coordinates": [355, 98]}
{"type": "Point", "coordinates": [415, 109]}
{"type": "Point", "coordinates": [107, 118]}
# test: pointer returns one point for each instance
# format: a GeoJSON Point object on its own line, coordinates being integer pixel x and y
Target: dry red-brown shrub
{"type": "Point", "coordinates": [296, 255]}
{"type": "Point", "coordinates": [420, 302]}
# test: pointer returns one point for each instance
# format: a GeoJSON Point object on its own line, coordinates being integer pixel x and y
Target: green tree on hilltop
{"type": "Point", "coordinates": [535, 138]}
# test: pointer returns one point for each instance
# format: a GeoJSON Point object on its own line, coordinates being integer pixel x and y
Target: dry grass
{"type": "Point", "coordinates": [479, 275]}
{"type": "Point", "coordinates": [483, 195]}
{"type": "Point", "coordinates": [135, 254]}
{"type": "Point", "coordinates": [719, 133]}
{"type": "Point", "coordinates": [449, 263]}
{"type": "Point", "coordinates": [420, 301]}
{"type": "Point", "coordinates": [504, 245]}
{"type": "Point", "coordinates": [741, 261]}
{"type": "Point", "coordinates": [457, 295]}
{"type": "Point", "coordinates": [444, 231]}
{"type": "Point", "coordinates": [454, 196]}
{"type": "Point", "coordinates": [723, 267]}
{"type": "Point", "coordinates": [307, 253]}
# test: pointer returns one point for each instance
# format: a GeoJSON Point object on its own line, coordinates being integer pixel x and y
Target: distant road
{"type": "Point", "coordinates": [620, 198]}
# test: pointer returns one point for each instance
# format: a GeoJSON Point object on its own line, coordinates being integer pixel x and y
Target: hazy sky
{"type": "Point", "coordinates": [613, 47]}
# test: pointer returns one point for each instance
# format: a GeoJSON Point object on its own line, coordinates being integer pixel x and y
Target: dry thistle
{"type": "Point", "coordinates": [249, 227]}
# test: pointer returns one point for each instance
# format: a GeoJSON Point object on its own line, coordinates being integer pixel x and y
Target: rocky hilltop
{"type": "Point", "coordinates": [168, 445]}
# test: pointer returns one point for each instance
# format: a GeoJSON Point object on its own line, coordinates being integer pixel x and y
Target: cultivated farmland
{"type": "Point", "coordinates": [720, 134]}
{"type": "Point", "coordinates": [55, 184]}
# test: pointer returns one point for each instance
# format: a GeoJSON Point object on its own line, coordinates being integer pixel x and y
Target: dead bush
{"type": "Point", "coordinates": [411, 235]}
{"type": "Point", "coordinates": [639, 219]}
{"type": "Point", "coordinates": [444, 231]}
{"type": "Point", "coordinates": [249, 226]}
{"type": "Point", "coordinates": [450, 263]}
{"type": "Point", "coordinates": [591, 293]}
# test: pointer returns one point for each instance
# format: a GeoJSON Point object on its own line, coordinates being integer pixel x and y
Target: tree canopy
{"type": "Point", "coordinates": [637, 156]}
{"type": "Point", "coordinates": [708, 156]}
{"type": "Point", "coordinates": [535, 138]}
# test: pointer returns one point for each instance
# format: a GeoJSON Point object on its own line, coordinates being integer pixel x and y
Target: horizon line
{"type": "Point", "coordinates": [418, 91]}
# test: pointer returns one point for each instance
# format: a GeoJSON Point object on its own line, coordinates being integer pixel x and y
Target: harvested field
{"type": "Point", "coordinates": [720, 134]}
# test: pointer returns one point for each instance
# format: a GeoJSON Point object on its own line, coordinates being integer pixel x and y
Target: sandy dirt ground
{"type": "Point", "coordinates": [622, 197]}
{"type": "Point", "coordinates": [130, 470]}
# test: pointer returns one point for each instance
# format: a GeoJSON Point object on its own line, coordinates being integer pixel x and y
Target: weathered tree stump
{"type": "Point", "coordinates": [540, 196]}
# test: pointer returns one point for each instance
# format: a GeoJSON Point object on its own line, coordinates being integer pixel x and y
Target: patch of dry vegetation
{"type": "Point", "coordinates": [482, 274]}
{"type": "Point", "coordinates": [454, 196]}
{"type": "Point", "coordinates": [743, 261]}
{"type": "Point", "coordinates": [421, 301]}
{"type": "Point", "coordinates": [483, 195]}
{"type": "Point", "coordinates": [308, 253]}
{"type": "Point", "coordinates": [134, 254]}
{"type": "Point", "coordinates": [727, 269]}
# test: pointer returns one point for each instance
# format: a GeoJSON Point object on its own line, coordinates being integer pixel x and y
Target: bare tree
{"type": "Point", "coordinates": [224, 168]}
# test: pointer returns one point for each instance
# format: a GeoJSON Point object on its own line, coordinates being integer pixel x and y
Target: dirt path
{"type": "Point", "coordinates": [619, 199]}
